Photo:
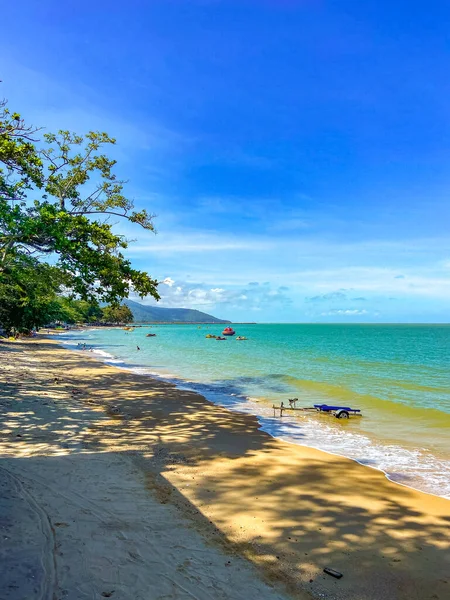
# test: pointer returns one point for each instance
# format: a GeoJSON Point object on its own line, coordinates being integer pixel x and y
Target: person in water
{"type": "Point", "coordinates": [138, 347]}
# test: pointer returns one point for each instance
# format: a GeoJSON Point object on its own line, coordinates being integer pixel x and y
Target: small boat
{"type": "Point", "coordinates": [228, 331]}
{"type": "Point", "coordinates": [220, 338]}
{"type": "Point", "coordinates": [210, 335]}
{"type": "Point", "coordinates": [150, 335]}
{"type": "Point", "coordinates": [241, 337]}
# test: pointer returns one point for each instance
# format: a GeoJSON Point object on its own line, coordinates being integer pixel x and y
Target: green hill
{"type": "Point", "coordinates": [150, 314]}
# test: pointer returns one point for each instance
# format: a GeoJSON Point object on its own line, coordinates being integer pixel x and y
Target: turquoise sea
{"type": "Point", "coordinates": [398, 375]}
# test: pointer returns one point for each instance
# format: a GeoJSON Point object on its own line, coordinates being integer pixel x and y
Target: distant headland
{"type": "Point", "coordinates": [157, 314]}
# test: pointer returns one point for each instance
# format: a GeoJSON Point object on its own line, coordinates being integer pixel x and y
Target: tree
{"type": "Point", "coordinates": [55, 202]}
{"type": "Point", "coordinates": [117, 314]}
{"type": "Point", "coordinates": [90, 312]}
{"type": "Point", "coordinates": [72, 311]}
{"type": "Point", "coordinates": [68, 311]}
{"type": "Point", "coordinates": [18, 154]}
{"type": "Point", "coordinates": [28, 295]}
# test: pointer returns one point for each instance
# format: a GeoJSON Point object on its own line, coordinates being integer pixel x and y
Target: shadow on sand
{"type": "Point", "coordinates": [243, 489]}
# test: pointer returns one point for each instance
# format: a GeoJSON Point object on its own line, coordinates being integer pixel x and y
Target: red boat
{"type": "Point", "coordinates": [228, 331]}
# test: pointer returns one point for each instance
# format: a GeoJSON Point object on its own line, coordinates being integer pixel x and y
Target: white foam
{"type": "Point", "coordinates": [103, 354]}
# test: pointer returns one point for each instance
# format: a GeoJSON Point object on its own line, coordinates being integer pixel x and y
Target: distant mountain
{"type": "Point", "coordinates": [149, 314]}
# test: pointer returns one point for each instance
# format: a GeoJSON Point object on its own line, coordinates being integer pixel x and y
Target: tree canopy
{"type": "Point", "coordinates": [70, 311]}
{"type": "Point", "coordinates": [117, 314]}
{"type": "Point", "coordinates": [58, 193]}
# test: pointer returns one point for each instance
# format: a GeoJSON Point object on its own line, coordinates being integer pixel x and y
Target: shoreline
{"type": "Point", "coordinates": [192, 386]}
{"type": "Point", "coordinates": [290, 509]}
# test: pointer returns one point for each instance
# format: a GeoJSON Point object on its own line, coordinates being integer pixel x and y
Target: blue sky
{"type": "Point", "coordinates": [296, 152]}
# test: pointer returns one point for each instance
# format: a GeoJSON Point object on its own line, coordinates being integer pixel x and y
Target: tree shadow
{"type": "Point", "coordinates": [283, 507]}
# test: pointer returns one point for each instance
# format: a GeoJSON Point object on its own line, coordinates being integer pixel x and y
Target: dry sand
{"type": "Point", "coordinates": [117, 485]}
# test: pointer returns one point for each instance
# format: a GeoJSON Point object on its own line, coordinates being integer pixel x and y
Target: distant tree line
{"type": "Point", "coordinates": [61, 310]}
{"type": "Point", "coordinates": [58, 249]}
{"type": "Point", "coordinates": [81, 311]}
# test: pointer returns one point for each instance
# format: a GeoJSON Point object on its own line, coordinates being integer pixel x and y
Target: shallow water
{"type": "Point", "coordinates": [398, 375]}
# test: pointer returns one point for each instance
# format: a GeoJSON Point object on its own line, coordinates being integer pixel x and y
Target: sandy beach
{"type": "Point", "coordinates": [118, 485]}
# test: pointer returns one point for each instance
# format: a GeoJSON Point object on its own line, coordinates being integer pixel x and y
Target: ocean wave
{"type": "Point", "coordinates": [103, 354]}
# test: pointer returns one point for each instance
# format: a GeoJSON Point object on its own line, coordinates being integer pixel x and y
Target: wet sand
{"type": "Point", "coordinates": [126, 482]}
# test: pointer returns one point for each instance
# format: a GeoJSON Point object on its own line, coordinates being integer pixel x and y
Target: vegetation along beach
{"type": "Point", "coordinates": [224, 300]}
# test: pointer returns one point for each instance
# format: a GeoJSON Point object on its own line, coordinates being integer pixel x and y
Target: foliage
{"type": "Point", "coordinates": [56, 199]}
{"type": "Point", "coordinates": [22, 163]}
{"type": "Point", "coordinates": [117, 314]}
{"type": "Point", "coordinates": [90, 312]}
{"type": "Point", "coordinates": [77, 311]}
{"type": "Point", "coordinates": [28, 295]}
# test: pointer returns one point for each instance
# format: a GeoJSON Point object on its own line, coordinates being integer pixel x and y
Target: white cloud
{"type": "Point", "coordinates": [168, 281]}
{"type": "Point", "coordinates": [183, 294]}
{"type": "Point", "coordinates": [348, 312]}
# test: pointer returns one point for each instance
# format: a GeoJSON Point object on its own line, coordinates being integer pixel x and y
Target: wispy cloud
{"type": "Point", "coordinates": [175, 247]}
{"type": "Point", "coordinates": [344, 312]}
{"type": "Point", "coordinates": [197, 242]}
{"type": "Point", "coordinates": [331, 296]}
{"type": "Point", "coordinates": [316, 271]}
